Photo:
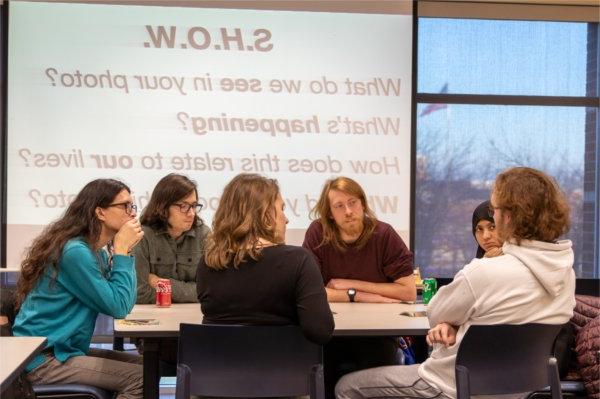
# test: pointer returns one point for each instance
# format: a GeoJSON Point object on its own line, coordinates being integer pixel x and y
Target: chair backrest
{"type": "Point", "coordinates": [506, 359]}
{"type": "Point", "coordinates": [71, 391]}
{"type": "Point", "coordinates": [247, 361]}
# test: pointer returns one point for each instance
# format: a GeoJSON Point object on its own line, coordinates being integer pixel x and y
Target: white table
{"type": "Point", "coordinates": [15, 354]}
{"type": "Point", "coordinates": [351, 319]}
{"type": "Point", "coordinates": [358, 319]}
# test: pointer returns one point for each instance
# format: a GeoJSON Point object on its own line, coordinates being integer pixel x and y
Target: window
{"type": "Point", "coordinates": [502, 57]}
{"type": "Point", "coordinates": [494, 94]}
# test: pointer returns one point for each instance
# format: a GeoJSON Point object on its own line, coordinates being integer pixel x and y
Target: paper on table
{"type": "Point", "coordinates": [414, 314]}
{"type": "Point", "coordinates": [138, 322]}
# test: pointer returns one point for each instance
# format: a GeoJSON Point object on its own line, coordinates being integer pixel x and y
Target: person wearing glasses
{"type": "Point", "coordinates": [249, 276]}
{"type": "Point", "coordinates": [362, 259]}
{"type": "Point", "coordinates": [173, 240]}
{"type": "Point", "coordinates": [484, 231]}
{"type": "Point", "coordinates": [67, 278]}
{"type": "Point", "coordinates": [172, 247]}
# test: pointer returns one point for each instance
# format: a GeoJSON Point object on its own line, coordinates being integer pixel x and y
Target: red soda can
{"type": "Point", "coordinates": [163, 293]}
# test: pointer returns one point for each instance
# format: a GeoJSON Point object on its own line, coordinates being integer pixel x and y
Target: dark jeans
{"type": "Point", "coordinates": [343, 355]}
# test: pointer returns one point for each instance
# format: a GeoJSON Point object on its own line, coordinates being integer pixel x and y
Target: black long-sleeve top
{"type": "Point", "coordinates": [284, 286]}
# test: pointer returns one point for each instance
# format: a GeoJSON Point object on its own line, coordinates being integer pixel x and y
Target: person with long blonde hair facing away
{"type": "Point", "coordinates": [249, 275]}
{"type": "Point", "coordinates": [68, 277]}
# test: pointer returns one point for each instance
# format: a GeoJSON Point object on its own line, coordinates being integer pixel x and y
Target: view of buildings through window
{"type": "Point", "coordinates": [461, 147]}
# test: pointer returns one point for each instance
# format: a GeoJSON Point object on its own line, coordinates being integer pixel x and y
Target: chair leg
{"type": "Point", "coordinates": [463, 388]}
{"type": "Point", "coordinates": [182, 387]}
{"type": "Point", "coordinates": [317, 383]}
{"type": "Point", "coordinates": [554, 379]}
{"type": "Point", "coordinates": [118, 344]}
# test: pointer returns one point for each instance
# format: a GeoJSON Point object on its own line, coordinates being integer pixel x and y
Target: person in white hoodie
{"type": "Point", "coordinates": [532, 282]}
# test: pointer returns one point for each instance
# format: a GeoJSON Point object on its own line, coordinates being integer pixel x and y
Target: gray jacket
{"type": "Point", "coordinates": [158, 253]}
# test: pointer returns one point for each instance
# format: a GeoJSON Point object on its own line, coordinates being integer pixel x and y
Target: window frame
{"type": "Point", "coordinates": [560, 11]}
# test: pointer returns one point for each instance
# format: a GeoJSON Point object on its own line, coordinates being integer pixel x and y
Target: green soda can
{"type": "Point", "coordinates": [429, 289]}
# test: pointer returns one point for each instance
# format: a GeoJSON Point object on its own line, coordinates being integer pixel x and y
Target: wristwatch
{"type": "Point", "coordinates": [351, 294]}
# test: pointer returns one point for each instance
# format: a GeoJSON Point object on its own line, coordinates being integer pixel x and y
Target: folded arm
{"type": "Point", "coordinates": [453, 304]}
{"type": "Point", "coordinates": [402, 289]}
{"type": "Point", "coordinates": [443, 333]}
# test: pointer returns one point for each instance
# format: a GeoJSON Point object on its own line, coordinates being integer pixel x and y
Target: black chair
{"type": "Point", "coordinates": [569, 389]}
{"type": "Point", "coordinates": [71, 391]}
{"type": "Point", "coordinates": [504, 359]}
{"type": "Point", "coordinates": [247, 361]}
{"type": "Point", "coordinates": [564, 352]}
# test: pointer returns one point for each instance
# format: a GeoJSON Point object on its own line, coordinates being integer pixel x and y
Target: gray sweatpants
{"type": "Point", "coordinates": [111, 370]}
{"type": "Point", "coordinates": [386, 382]}
{"type": "Point", "coordinates": [395, 382]}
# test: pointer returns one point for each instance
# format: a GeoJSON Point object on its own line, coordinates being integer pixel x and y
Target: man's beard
{"type": "Point", "coordinates": [354, 229]}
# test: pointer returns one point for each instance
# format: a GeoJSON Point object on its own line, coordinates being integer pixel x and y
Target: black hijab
{"type": "Point", "coordinates": [482, 212]}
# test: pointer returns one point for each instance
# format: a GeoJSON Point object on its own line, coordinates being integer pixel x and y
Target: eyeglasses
{"type": "Point", "coordinates": [128, 206]}
{"type": "Point", "coordinates": [185, 207]}
{"type": "Point", "coordinates": [351, 204]}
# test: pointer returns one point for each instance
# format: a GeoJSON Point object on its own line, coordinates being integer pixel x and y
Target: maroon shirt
{"type": "Point", "coordinates": [385, 257]}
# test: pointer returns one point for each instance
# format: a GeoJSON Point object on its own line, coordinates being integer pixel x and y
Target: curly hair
{"type": "Point", "coordinates": [322, 211]}
{"type": "Point", "coordinates": [79, 220]}
{"type": "Point", "coordinates": [246, 213]}
{"type": "Point", "coordinates": [537, 207]}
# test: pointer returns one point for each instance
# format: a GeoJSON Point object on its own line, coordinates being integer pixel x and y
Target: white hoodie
{"type": "Point", "coordinates": [530, 283]}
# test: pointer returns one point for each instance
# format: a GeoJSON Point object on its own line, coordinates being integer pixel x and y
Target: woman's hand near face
{"type": "Point", "coordinates": [496, 251]}
{"type": "Point", "coordinates": [127, 237]}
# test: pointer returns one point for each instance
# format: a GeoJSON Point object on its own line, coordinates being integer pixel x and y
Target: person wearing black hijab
{"type": "Point", "coordinates": [484, 231]}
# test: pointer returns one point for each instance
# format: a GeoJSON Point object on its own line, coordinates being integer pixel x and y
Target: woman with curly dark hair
{"type": "Point", "coordinates": [67, 278]}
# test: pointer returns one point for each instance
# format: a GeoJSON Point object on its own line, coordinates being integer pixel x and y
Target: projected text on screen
{"type": "Point", "coordinates": [136, 92]}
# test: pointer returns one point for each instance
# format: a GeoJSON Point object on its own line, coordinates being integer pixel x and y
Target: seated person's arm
{"type": "Point", "coordinates": [314, 314]}
{"type": "Point", "coordinates": [181, 291]}
{"type": "Point", "coordinates": [145, 291]}
{"type": "Point", "coordinates": [397, 260]}
{"type": "Point", "coordinates": [453, 303]}
{"type": "Point", "coordinates": [153, 280]}
{"type": "Point", "coordinates": [402, 289]}
{"type": "Point", "coordinates": [443, 333]}
{"type": "Point", "coordinates": [342, 296]}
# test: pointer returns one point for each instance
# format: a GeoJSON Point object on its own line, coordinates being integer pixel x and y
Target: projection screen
{"type": "Point", "coordinates": [136, 92]}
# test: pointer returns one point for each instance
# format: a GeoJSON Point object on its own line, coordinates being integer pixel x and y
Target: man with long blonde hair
{"type": "Point", "coordinates": [362, 259]}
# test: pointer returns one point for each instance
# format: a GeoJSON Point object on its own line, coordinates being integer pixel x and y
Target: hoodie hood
{"type": "Point", "coordinates": [550, 263]}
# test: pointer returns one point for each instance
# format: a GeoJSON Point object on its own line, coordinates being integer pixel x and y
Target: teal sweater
{"type": "Point", "coordinates": [65, 310]}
